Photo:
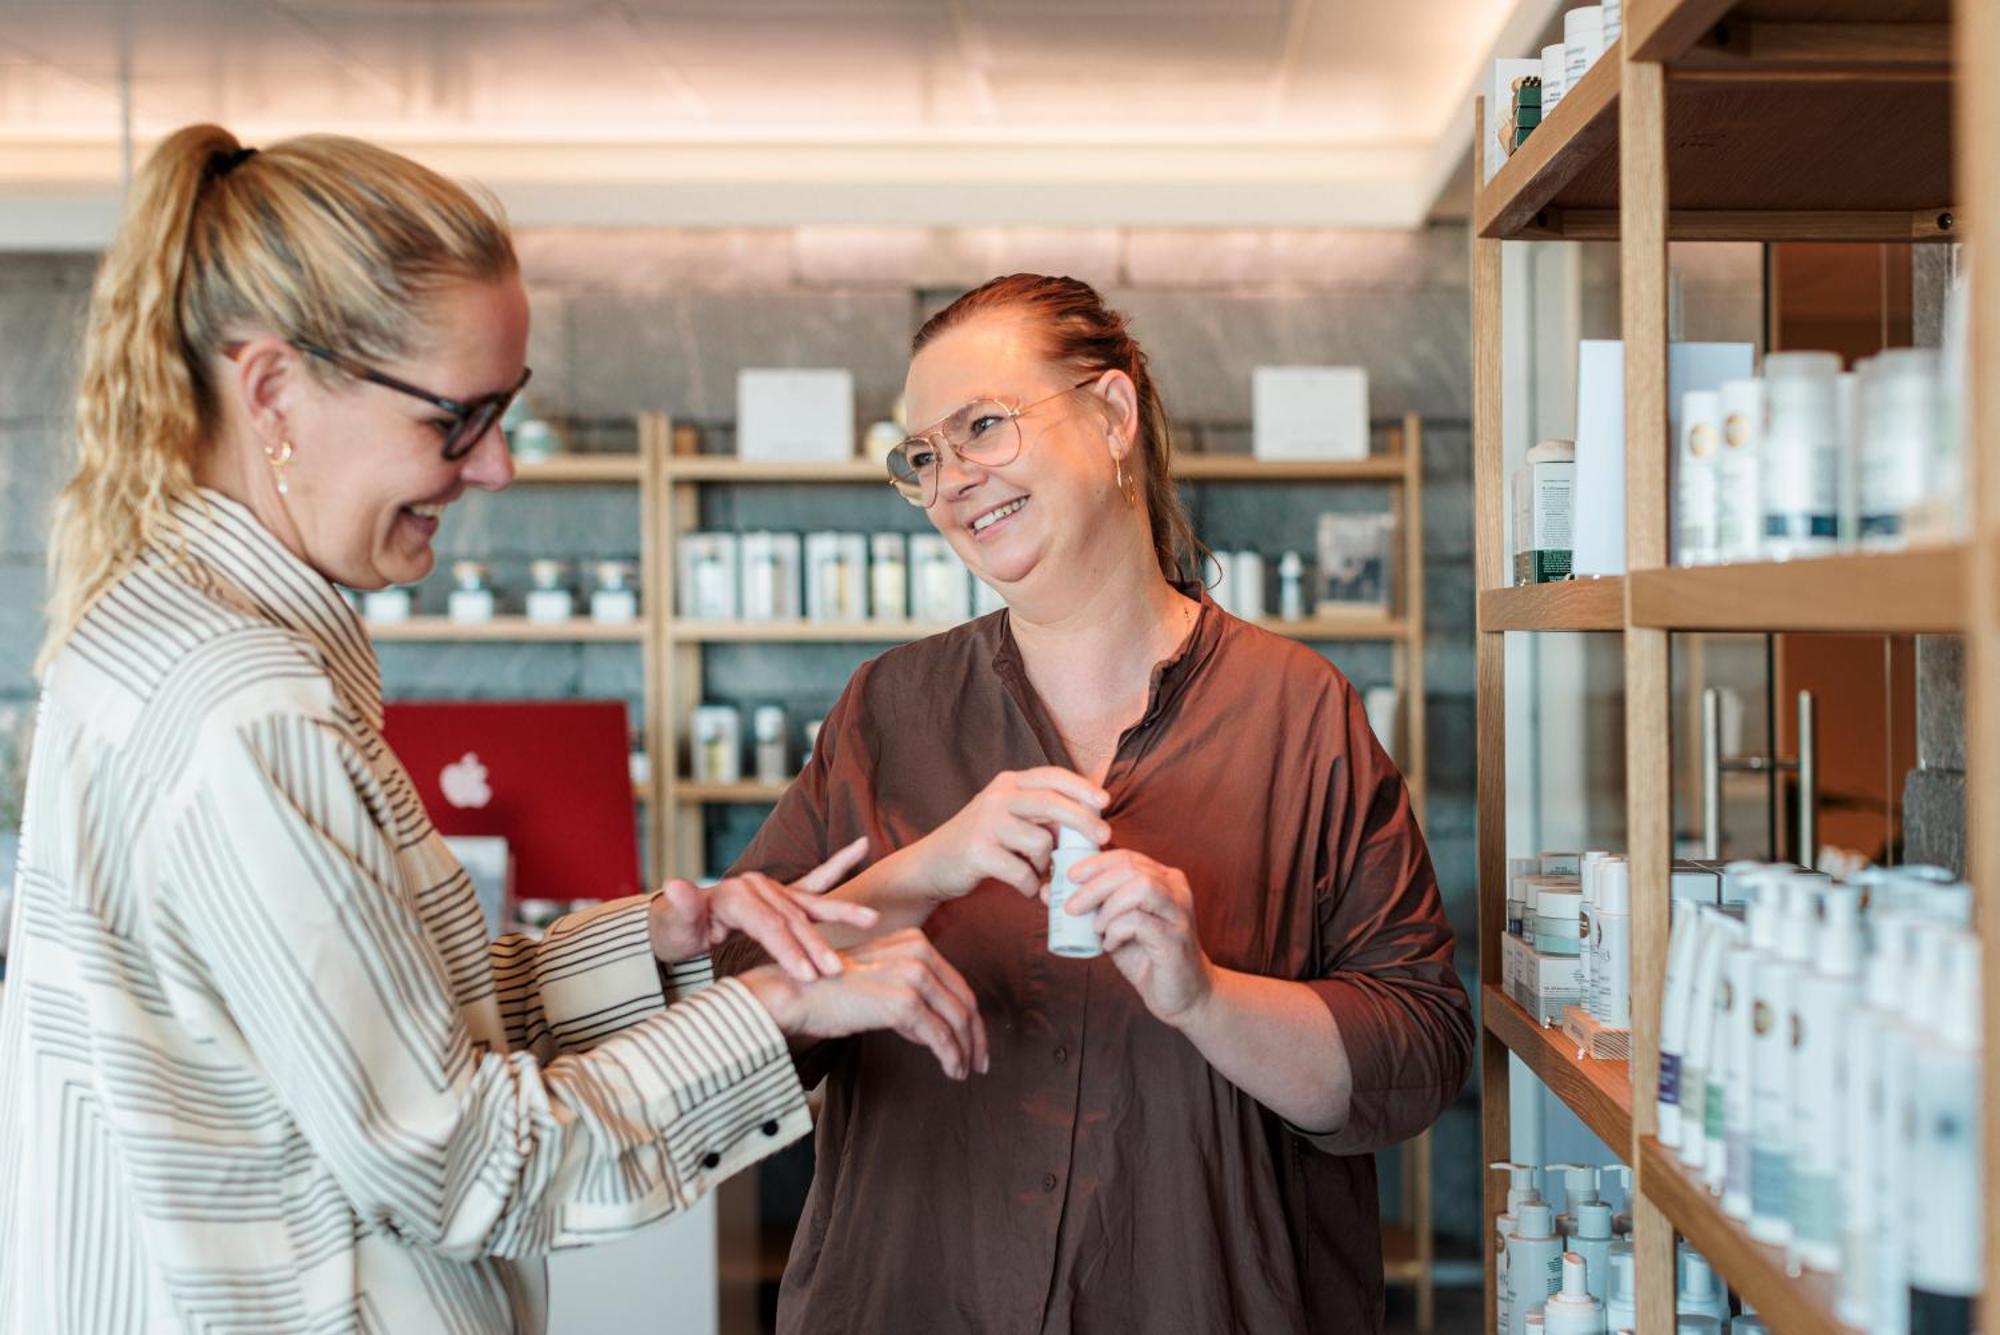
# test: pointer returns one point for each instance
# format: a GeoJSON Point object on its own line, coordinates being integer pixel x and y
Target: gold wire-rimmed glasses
{"type": "Point", "coordinates": [986, 432]}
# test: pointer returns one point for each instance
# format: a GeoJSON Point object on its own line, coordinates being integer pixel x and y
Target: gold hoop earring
{"type": "Point", "coordinates": [278, 458]}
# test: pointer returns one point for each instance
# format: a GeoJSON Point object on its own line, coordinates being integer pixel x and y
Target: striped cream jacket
{"type": "Point", "coordinates": [261, 1068]}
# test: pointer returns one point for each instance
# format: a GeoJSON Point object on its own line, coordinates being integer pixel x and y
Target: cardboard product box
{"type": "Point", "coordinates": [1309, 412]}
{"type": "Point", "coordinates": [795, 416]}
{"type": "Point", "coordinates": [1543, 985]}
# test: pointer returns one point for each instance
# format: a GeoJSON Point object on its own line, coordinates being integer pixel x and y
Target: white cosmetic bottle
{"type": "Point", "coordinates": [1534, 1260]}
{"type": "Point", "coordinates": [1683, 939]}
{"type": "Point", "coordinates": [1621, 1309]}
{"type": "Point", "coordinates": [1611, 932]}
{"type": "Point", "coordinates": [1699, 1294]}
{"type": "Point", "coordinates": [1586, 918]}
{"type": "Point", "coordinates": [1716, 938]}
{"type": "Point", "coordinates": [1903, 1198]}
{"type": "Point", "coordinates": [1946, 1237]}
{"type": "Point", "coordinates": [1826, 996]}
{"type": "Point", "coordinates": [1775, 982]}
{"type": "Point", "coordinates": [1520, 1190]}
{"type": "Point", "coordinates": [1071, 935]}
{"type": "Point", "coordinates": [1571, 1310]}
{"type": "Point", "coordinates": [1870, 1029]}
{"type": "Point", "coordinates": [1727, 1171]}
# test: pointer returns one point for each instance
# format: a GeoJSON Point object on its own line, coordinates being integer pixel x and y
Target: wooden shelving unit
{"type": "Point", "coordinates": [1760, 120]}
{"type": "Point", "coordinates": [577, 630]}
{"type": "Point", "coordinates": [680, 643]}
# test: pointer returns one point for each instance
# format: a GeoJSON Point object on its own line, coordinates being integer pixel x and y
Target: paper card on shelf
{"type": "Point", "coordinates": [795, 416]}
{"type": "Point", "coordinates": [1600, 435]}
{"type": "Point", "coordinates": [1309, 412]}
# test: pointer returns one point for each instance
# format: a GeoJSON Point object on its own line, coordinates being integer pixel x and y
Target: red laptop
{"type": "Point", "coordinates": [552, 778]}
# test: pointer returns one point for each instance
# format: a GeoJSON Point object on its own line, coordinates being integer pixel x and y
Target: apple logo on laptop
{"type": "Point", "coordinates": [464, 782]}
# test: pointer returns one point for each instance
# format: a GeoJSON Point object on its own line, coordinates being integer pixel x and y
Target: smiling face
{"type": "Point", "coordinates": [368, 481]}
{"type": "Point", "coordinates": [1055, 512]}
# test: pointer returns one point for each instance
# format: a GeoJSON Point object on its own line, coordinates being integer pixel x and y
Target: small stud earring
{"type": "Point", "coordinates": [278, 458]}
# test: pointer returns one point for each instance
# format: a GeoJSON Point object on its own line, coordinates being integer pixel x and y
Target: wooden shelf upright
{"type": "Point", "coordinates": [1758, 120]}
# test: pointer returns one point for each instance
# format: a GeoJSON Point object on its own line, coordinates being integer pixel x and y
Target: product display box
{"type": "Point", "coordinates": [1543, 985]}
{"type": "Point", "coordinates": [795, 416]}
{"type": "Point", "coordinates": [1309, 412]}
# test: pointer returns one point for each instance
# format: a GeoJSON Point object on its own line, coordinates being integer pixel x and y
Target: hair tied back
{"type": "Point", "coordinates": [221, 163]}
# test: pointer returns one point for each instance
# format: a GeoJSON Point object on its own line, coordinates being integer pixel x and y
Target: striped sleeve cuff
{"type": "Point", "coordinates": [723, 1093]}
{"type": "Point", "coordinates": [681, 981]}
{"type": "Point", "coordinates": [596, 974]}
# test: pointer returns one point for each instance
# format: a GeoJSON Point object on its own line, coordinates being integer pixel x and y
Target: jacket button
{"type": "Point", "coordinates": [769, 1128]}
{"type": "Point", "coordinates": [711, 1160]}
{"type": "Point", "coordinates": [1062, 1055]}
{"type": "Point", "coordinates": [1048, 1182]}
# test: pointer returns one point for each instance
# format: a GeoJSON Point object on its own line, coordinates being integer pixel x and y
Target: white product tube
{"type": "Point", "coordinates": [1587, 880]}
{"type": "Point", "coordinates": [1571, 1310]}
{"type": "Point", "coordinates": [1871, 1028]}
{"type": "Point", "coordinates": [1612, 945]}
{"type": "Point", "coordinates": [1826, 996]}
{"type": "Point", "coordinates": [1554, 59]}
{"type": "Point", "coordinates": [1072, 935]}
{"type": "Point", "coordinates": [1621, 1296]}
{"type": "Point", "coordinates": [1695, 489]}
{"type": "Point", "coordinates": [1800, 454]}
{"type": "Point", "coordinates": [1739, 509]}
{"type": "Point", "coordinates": [1583, 42]}
{"type": "Point", "coordinates": [1698, 1293]}
{"type": "Point", "coordinates": [1699, 1048]}
{"type": "Point", "coordinates": [1773, 983]}
{"type": "Point", "coordinates": [1946, 1236]}
{"type": "Point", "coordinates": [1736, 1014]}
{"type": "Point", "coordinates": [1520, 1190]}
{"type": "Point", "coordinates": [1683, 938]}
{"type": "Point", "coordinates": [1896, 1188]}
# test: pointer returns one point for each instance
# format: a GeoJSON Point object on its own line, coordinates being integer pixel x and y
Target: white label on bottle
{"type": "Point", "coordinates": [1072, 935]}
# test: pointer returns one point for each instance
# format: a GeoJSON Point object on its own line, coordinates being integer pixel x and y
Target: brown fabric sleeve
{"type": "Point", "coordinates": [1385, 952]}
{"type": "Point", "coordinates": [794, 840]}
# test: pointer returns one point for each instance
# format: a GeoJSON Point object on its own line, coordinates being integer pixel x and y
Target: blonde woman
{"type": "Point", "coordinates": [260, 1067]}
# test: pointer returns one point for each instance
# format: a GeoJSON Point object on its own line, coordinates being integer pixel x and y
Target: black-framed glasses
{"type": "Point", "coordinates": [986, 432]}
{"type": "Point", "coordinates": [471, 418]}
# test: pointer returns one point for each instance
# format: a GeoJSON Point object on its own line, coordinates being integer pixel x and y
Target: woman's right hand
{"type": "Point", "coordinates": [898, 982]}
{"type": "Point", "coordinates": [1007, 833]}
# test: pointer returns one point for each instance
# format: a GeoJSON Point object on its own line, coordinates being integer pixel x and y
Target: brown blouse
{"type": "Point", "coordinates": [1103, 1177]}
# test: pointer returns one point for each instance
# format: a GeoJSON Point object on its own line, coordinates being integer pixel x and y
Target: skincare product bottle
{"type": "Point", "coordinates": [1555, 59]}
{"type": "Point", "coordinates": [1291, 587]}
{"type": "Point", "coordinates": [1583, 42]}
{"type": "Point", "coordinates": [1699, 1035]}
{"type": "Point", "coordinates": [1249, 583]}
{"type": "Point", "coordinates": [1586, 945]}
{"type": "Point", "coordinates": [1871, 1027]}
{"type": "Point", "coordinates": [1558, 902]}
{"type": "Point", "coordinates": [717, 748]}
{"type": "Point", "coordinates": [1739, 514]}
{"type": "Point", "coordinates": [1534, 1260]}
{"type": "Point", "coordinates": [1695, 487]}
{"type": "Point", "coordinates": [1520, 1190]}
{"type": "Point", "coordinates": [1701, 1088]}
{"type": "Point", "coordinates": [889, 577]}
{"type": "Point", "coordinates": [1683, 937]}
{"type": "Point", "coordinates": [1800, 474]}
{"type": "Point", "coordinates": [1698, 1293]}
{"type": "Point", "coordinates": [767, 726]}
{"type": "Point", "coordinates": [1621, 1296]}
{"type": "Point", "coordinates": [1899, 439]}
{"type": "Point", "coordinates": [1611, 932]}
{"type": "Point", "coordinates": [471, 600]}
{"type": "Point", "coordinates": [614, 600]}
{"type": "Point", "coordinates": [1774, 979]}
{"type": "Point", "coordinates": [1728, 1168]}
{"type": "Point", "coordinates": [549, 600]}
{"type": "Point", "coordinates": [1826, 995]}
{"type": "Point", "coordinates": [1902, 1197]}
{"type": "Point", "coordinates": [1571, 1310]}
{"type": "Point", "coordinates": [1072, 935]}
{"type": "Point", "coordinates": [1614, 23]}
{"type": "Point", "coordinates": [1946, 1234]}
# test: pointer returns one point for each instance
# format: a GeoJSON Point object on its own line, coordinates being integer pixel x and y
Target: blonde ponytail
{"type": "Point", "coordinates": [321, 238]}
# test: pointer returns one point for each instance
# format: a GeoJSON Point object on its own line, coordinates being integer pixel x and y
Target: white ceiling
{"type": "Point", "coordinates": [1315, 92]}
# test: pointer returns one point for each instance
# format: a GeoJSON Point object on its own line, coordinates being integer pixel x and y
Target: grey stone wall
{"type": "Point", "coordinates": [626, 321]}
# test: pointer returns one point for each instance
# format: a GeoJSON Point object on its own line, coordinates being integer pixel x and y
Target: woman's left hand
{"type": "Point", "coordinates": [1145, 914]}
{"type": "Point", "coordinates": [685, 920]}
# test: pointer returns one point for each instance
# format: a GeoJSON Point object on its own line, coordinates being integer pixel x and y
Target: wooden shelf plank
{"type": "Point", "coordinates": [1243, 468]}
{"type": "Point", "coordinates": [507, 629]}
{"type": "Point", "coordinates": [1599, 1092]}
{"type": "Point", "coordinates": [1787, 1302]}
{"type": "Point", "coordinates": [1339, 626]}
{"type": "Point", "coordinates": [1597, 603]}
{"type": "Point", "coordinates": [803, 632]}
{"type": "Point", "coordinates": [1890, 593]}
{"type": "Point", "coordinates": [728, 468]}
{"type": "Point", "coordinates": [1786, 146]}
{"type": "Point", "coordinates": [581, 468]}
{"type": "Point", "coordinates": [689, 793]}
{"type": "Point", "coordinates": [1577, 133]}
{"type": "Point", "coordinates": [1668, 29]}
{"type": "Point", "coordinates": [1187, 468]}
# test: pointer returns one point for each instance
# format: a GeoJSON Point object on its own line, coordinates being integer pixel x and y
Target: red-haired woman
{"type": "Point", "coordinates": [1176, 1136]}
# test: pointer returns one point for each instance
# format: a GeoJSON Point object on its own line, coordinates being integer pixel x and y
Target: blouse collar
{"type": "Point", "coordinates": [247, 565]}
